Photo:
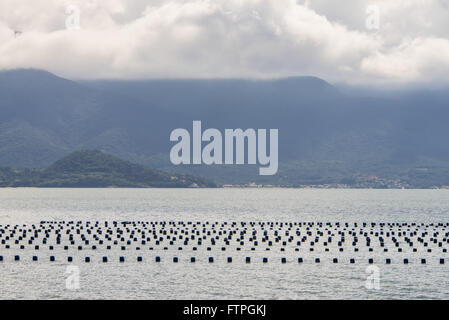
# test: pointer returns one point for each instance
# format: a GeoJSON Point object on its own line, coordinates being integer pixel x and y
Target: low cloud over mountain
{"type": "Point", "coordinates": [334, 40]}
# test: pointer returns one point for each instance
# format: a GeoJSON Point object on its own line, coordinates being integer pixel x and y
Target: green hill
{"type": "Point", "coordinates": [95, 169]}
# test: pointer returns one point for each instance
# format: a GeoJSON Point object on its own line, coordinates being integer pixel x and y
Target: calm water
{"type": "Point", "coordinates": [220, 280]}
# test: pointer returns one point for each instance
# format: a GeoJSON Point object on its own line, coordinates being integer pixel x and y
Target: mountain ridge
{"type": "Point", "coordinates": [325, 136]}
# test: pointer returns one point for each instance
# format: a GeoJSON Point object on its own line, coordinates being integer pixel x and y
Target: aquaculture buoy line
{"type": "Point", "coordinates": [423, 243]}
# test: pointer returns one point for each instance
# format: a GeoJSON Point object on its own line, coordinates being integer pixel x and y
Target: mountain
{"type": "Point", "coordinates": [95, 169]}
{"type": "Point", "coordinates": [326, 136]}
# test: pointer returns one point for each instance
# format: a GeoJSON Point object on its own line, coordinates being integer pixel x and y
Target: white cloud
{"type": "Point", "coordinates": [230, 38]}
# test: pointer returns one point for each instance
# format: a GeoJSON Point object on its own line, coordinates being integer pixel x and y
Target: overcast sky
{"type": "Point", "coordinates": [339, 41]}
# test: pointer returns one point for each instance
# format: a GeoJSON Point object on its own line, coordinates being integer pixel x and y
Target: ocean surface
{"type": "Point", "coordinates": [294, 208]}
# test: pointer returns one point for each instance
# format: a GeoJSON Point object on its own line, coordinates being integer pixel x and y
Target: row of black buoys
{"type": "Point", "coordinates": [332, 235]}
{"type": "Point", "coordinates": [229, 259]}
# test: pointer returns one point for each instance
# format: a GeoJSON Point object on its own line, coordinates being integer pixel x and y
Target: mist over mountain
{"type": "Point", "coordinates": [326, 136]}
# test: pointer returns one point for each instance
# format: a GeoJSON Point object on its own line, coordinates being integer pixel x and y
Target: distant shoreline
{"type": "Point", "coordinates": [225, 187]}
